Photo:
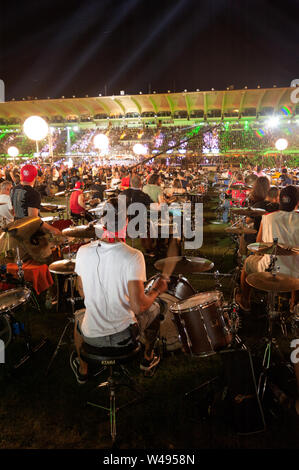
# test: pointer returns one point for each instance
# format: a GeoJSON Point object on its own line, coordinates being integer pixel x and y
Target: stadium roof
{"type": "Point", "coordinates": [235, 100]}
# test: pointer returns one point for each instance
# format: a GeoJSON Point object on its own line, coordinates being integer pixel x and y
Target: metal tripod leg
{"type": "Point", "coordinates": [71, 320]}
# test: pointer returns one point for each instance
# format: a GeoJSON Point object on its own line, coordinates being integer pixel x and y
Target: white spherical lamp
{"type": "Point", "coordinates": [139, 149]}
{"type": "Point", "coordinates": [35, 128]}
{"type": "Point", "coordinates": [13, 151]}
{"type": "Point", "coordinates": [281, 144]}
{"type": "Point", "coordinates": [101, 142]}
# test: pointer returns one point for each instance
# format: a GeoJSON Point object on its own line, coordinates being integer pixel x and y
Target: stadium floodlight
{"type": "Point", "coordinates": [272, 122]}
{"type": "Point", "coordinates": [281, 144]}
{"type": "Point", "coordinates": [35, 128]}
{"type": "Point", "coordinates": [13, 151]}
{"type": "Point", "coordinates": [101, 142]}
{"type": "Point", "coordinates": [139, 149]}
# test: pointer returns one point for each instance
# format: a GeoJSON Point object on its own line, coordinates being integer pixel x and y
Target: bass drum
{"type": "Point", "coordinates": [201, 323]}
{"type": "Point", "coordinates": [179, 288]}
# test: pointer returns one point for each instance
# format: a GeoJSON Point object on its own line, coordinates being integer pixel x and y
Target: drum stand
{"type": "Point", "coordinates": [271, 341]}
{"type": "Point", "coordinates": [27, 336]}
{"type": "Point", "coordinates": [70, 319]}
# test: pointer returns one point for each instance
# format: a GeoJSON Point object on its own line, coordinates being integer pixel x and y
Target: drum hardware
{"type": "Point", "coordinates": [272, 282]}
{"type": "Point", "coordinates": [9, 301]}
{"type": "Point", "coordinates": [65, 267]}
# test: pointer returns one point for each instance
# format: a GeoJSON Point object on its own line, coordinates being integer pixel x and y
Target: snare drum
{"type": "Point", "coordinates": [200, 323]}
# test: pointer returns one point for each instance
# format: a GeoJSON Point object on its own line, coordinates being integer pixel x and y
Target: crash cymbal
{"type": "Point", "coordinates": [24, 228]}
{"type": "Point", "coordinates": [64, 266]}
{"type": "Point", "coordinates": [273, 283]}
{"type": "Point", "coordinates": [81, 231]}
{"type": "Point", "coordinates": [185, 265]}
{"type": "Point", "coordinates": [240, 230]}
{"type": "Point", "coordinates": [248, 212]}
{"type": "Point", "coordinates": [267, 248]}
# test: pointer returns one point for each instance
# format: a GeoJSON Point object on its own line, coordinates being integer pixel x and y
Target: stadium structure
{"type": "Point", "coordinates": [200, 125]}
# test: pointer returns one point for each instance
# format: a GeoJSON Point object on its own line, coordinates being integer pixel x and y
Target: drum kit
{"type": "Point", "coordinates": [194, 322]}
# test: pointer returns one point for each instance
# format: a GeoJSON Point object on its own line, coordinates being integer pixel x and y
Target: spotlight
{"type": "Point", "coordinates": [272, 122]}
{"type": "Point", "coordinates": [281, 144]}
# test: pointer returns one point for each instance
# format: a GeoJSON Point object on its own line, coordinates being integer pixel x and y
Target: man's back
{"type": "Point", "coordinates": [105, 270]}
{"type": "Point", "coordinates": [24, 196]}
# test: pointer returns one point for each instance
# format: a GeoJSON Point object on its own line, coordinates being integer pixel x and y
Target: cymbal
{"type": "Point", "coordinates": [24, 228]}
{"type": "Point", "coordinates": [60, 193]}
{"type": "Point", "coordinates": [267, 248]}
{"type": "Point", "coordinates": [48, 207]}
{"type": "Point", "coordinates": [240, 230]}
{"type": "Point", "coordinates": [248, 212]}
{"type": "Point", "coordinates": [185, 265]}
{"type": "Point", "coordinates": [64, 266]}
{"type": "Point", "coordinates": [273, 283]}
{"type": "Point", "coordinates": [81, 231]}
{"type": "Point", "coordinates": [90, 191]}
{"type": "Point", "coordinates": [240, 187]}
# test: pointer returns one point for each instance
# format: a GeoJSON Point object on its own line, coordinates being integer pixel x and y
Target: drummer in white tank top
{"type": "Point", "coordinates": [283, 225]}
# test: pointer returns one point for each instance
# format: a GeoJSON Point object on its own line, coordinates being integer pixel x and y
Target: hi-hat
{"type": "Point", "coordinates": [240, 230]}
{"type": "Point", "coordinates": [185, 265]}
{"type": "Point", "coordinates": [81, 231]}
{"type": "Point", "coordinates": [64, 266]}
{"type": "Point", "coordinates": [267, 248]}
{"type": "Point", "coordinates": [273, 283]}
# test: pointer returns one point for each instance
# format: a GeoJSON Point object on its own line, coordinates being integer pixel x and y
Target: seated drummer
{"type": "Point", "coordinates": [77, 203]}
{"type": "Point", "coordinates": [26, 200]}
{"type": "Point", "coordinates": [283, 225]}
{"type": "Point", "coordinates": [111, 278]}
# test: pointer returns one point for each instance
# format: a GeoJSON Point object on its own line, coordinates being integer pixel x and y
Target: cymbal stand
{"type": "Point", "coordinates": [26, 334]}
{"type": "Point", "coordinates": [70, 319]}
{"type": "Point", "coordinates": [270, 340]}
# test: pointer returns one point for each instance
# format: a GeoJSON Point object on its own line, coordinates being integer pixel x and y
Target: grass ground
{"type": "Point", "coordinates": [39, 411]}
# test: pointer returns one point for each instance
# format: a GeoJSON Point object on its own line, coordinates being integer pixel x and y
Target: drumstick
{"type": "Point", "coordinates": [169, 265]}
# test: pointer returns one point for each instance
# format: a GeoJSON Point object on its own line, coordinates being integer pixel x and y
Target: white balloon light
{"type": "Point", "coordinates": [139, 149]}
{"type": "Point", "coordinates": [13, 151]}
{"type": "Point", "coordinates": [35, 128]}
{"type": "Point", "coordinates": [101, 142]}
{"type": "Point", "coordinates": [281, 144]}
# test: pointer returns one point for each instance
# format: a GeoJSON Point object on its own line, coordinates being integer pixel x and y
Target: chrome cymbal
{"type": "Point", "coordinates": [185, 265]}
{"type": "Point", "coordinates": [64, 266]}
{"type": "Point", "coordinates": [273, 283]}
{"type": "Point", "coordinates": [267, 248]}
{"type": "Point", "coordinates": [81, 231]}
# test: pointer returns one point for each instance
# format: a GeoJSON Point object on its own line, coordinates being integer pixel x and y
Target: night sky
{"type": "Point", "coordinates": [60, 47]}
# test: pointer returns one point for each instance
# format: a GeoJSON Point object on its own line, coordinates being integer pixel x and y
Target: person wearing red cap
{"type": "Point", "coordinates": [26, 200]}
{"type": "Point", "coordinates": [77, 203]}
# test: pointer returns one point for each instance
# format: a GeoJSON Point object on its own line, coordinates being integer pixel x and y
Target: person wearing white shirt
{"type": "Point", "coordinates": [111, 278]}
{"type": "Point", "coordinates": [6, 208]}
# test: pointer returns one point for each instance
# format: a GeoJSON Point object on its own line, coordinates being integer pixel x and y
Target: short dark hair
{"type": "Point", "coordinates": [288, 198]}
